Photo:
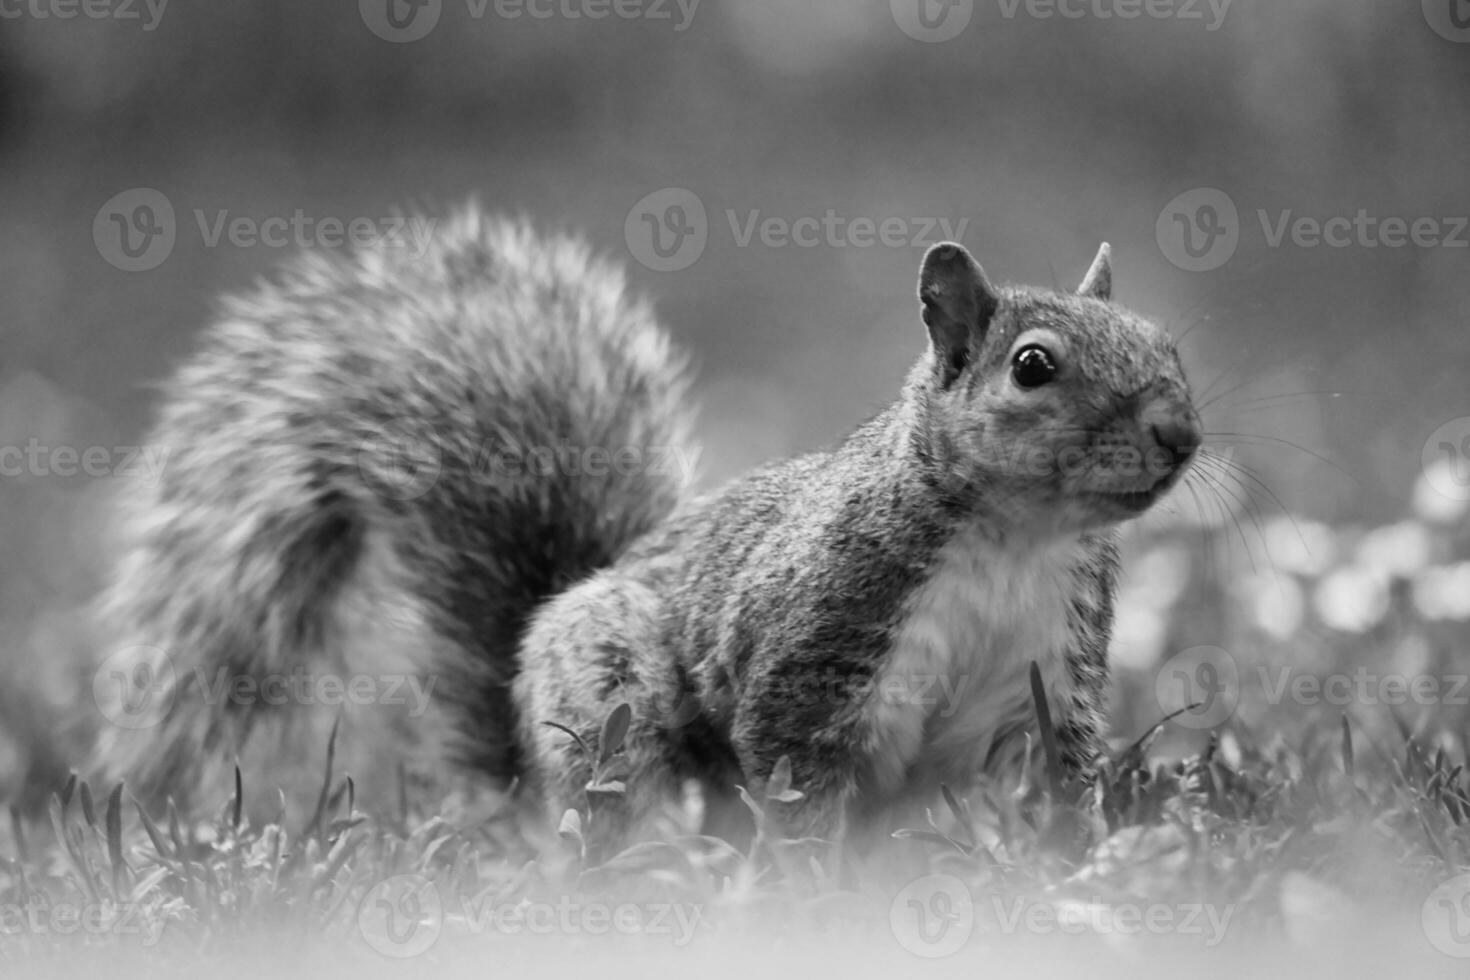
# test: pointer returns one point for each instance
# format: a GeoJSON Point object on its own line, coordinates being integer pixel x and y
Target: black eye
{"type": "Point", "coordinates": [1033, 367]}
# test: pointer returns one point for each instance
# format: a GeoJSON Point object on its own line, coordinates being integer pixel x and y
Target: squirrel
{"type": "Point", "coordinates": [349, 490]}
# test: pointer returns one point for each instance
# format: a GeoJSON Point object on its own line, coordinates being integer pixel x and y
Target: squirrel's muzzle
{"type": "Point", "coordinates": [1176, 431]}
{"type": "Point", "coordinates": [1141, 455]}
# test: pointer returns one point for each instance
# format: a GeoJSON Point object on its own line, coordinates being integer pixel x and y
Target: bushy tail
{"type": "Point", "coordinates": [376, 467]}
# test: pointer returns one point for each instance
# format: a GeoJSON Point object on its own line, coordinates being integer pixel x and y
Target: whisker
{"type": "Point", "coordinates": [1204, 520]}
{"type": "Point", "coordinates": [1204, 400]}
{"type": "Point", "coordinates": [1247, 505]}
{"type": "Point", "coordinates": [1243, 472]}
{"type": "Point", "coordinates": [1286, 395]}
{"type": "Point", "coordinates": [1208, 297]}
{"type": "Point", "coordinates": [1284, 442]}
{"type": "Point", "coordinates": [1219, 490]}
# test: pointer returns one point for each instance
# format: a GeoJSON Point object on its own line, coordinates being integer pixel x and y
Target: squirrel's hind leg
{"type": "Point", "coordinates": [587, 651]}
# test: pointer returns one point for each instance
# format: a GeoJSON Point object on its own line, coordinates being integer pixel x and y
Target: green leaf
{"type": "Point", "coordinates": [614, 731]}
{"type": "Point", "coordinates": [114, 834]}
{"type": "Point", "coordinates": [778, 786]}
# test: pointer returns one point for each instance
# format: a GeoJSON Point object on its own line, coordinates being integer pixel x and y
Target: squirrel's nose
{"type": "Point", "coordinates": [1179, 433]}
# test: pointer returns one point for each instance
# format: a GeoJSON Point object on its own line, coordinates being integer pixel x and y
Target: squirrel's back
{"type": "Point", "coordinates": [379, 463]}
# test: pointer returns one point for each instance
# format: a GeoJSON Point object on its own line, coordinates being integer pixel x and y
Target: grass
{"type": "Point", "coordinates": [1242, 844]}
{"type": "Point", "coordinates": [1296, 836]}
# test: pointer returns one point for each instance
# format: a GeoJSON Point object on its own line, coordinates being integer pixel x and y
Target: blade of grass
{"type": "Point", "coordinates": [316, 823]}
{"type": "Point", "coordinates": [1048, 732]}
{"type": "Point", "coordinates": [114, 839]}
{"type": "Point", "coordinates": [238, 806]}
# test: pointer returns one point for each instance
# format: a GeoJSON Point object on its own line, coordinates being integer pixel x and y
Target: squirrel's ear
{"type": "Point", "coordinates": [1098, 283]}
{"type": "Point", "coordinates": [958, 303]}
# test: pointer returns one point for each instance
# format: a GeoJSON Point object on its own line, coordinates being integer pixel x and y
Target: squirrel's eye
{"type": "Point", "coordinates": [1033, 367]}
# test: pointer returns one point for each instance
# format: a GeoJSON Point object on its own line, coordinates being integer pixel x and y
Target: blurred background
{"type": "Point", "coordinates": [1193, 135]}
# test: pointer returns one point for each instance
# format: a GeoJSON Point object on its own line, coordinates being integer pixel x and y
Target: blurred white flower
{"type": "Point", "coordinates": [1302, 547]}
{"type": "Point", "coordinates": [1412, 656]}
{"type": "Point", "coordinates": [1433, 505]}
{"type": "Point", "coordinates": [1396, 550]}
{"type": "Point", "coordinates": [1275, 603]}
{"type": "Point", "coordinates": [1352, 599]}
{"type": "Point", "coordinates": [1158, 577]}
{"type": "Point", "coordinates": [805, 37]}
{"type": "Point", "coordinates": [1443, 592]}
{"type": "Point", "coordinates": [1139, 633]}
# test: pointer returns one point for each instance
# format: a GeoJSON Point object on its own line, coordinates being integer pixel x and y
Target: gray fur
{"type": "Point", "coordinates": [801, 571]}
{"type": "Point", "coordinates": [738, 625]}
{"type": "Point", "coordinates": [287, 528]}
